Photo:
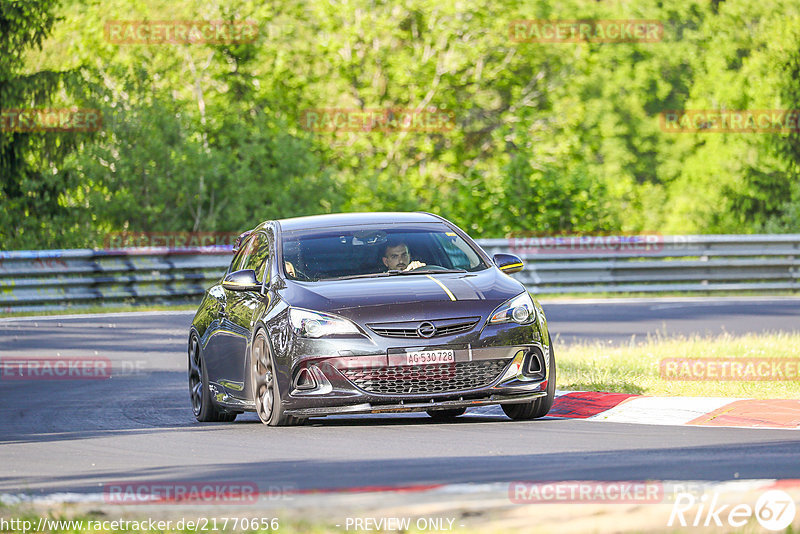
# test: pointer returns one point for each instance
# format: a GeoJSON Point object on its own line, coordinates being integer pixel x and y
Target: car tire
{"type": "Point", "coordinates": [266, 393]}
{"type": "Point", "coordinates": [203, 406]}
{"type": "Point", "coordinates": [444, 415]}
{"type": "Point", "coordinates": [539, 407]}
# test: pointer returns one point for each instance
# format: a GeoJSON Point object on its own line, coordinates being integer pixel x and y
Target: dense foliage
{"type": "Point", "coordinates": [547, 137]}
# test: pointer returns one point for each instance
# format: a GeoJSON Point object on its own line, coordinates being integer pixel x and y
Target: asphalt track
{"type": "Point", "coordinates": [80, 435]}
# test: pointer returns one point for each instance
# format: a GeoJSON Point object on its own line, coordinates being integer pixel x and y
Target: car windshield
{"type": "Point", "coordinates": [329, 254]}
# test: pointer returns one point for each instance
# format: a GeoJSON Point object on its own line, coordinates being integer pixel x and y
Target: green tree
{"type": "Point", "coordinates": [31, 178]}
{"type": "Point", "coordinates": [548, 137]}
{"type": "Point", "coordinates": [738, 182]}
{"type": "Point", "coordinates": [196, 137]}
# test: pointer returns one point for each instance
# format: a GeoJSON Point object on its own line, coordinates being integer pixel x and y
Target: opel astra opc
{"type": "Point", "coordinates": [367, 313]}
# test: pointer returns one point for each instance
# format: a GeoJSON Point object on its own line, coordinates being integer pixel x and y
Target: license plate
{"type": "Point", "coordinates": [428, 357]}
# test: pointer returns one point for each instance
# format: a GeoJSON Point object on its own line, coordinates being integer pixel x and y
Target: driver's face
{"type": "Point", "coordinates": [396, 258]}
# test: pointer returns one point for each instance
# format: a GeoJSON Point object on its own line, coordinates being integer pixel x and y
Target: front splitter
{"type": "Point", "coordinates": [413, 406]}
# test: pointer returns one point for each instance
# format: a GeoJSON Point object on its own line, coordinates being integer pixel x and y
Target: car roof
{"type": "Point", "coordinates": [356, 219]}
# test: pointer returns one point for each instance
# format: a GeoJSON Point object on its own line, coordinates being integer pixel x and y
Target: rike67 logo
{"type": "Point", "coordinates": [775, 510]}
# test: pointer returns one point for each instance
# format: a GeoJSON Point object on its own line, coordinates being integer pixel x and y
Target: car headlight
{"type": "Point", "coordinates": [315, 324]}
{"type": "Point", "coordinates": [518, 310]}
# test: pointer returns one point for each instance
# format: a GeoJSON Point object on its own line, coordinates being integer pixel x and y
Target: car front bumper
{"type": "Point", "coordinates": [329, 388]}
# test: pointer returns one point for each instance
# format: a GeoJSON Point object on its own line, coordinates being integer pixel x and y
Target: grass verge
{"type": "Point", "coordinates": [635, 368]}
{"type": "Point", "coordinates": [556, 297]}
{"type": "Point", "coordinates": [104, 309]}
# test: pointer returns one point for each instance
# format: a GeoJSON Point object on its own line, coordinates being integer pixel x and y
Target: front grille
{"type": "Point", "coordinates": [444, 327]}
{"type": "Point", "coordinates": [423, 379]}
{"type": "Point", "coordinates": [454, 328]}
{"type": "Point", "coordinates": [395, 331]}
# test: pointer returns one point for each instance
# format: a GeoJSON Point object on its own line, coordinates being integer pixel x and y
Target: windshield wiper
{"type": "Point", "coordinates": [354, 276]}
{"type": "Point", "coordinates": [437, 271]}
{"type": "Point", "coordinates": [393, 272]}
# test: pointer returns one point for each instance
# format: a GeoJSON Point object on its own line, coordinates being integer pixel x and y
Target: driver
{"type": "Point", "coordinates": [396, 257]}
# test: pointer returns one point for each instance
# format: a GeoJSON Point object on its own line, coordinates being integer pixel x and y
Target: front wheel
{"type": "Point", "coordinates": [538, 407]}
{"type": "Point", "coordinates": [202, 406]}
{"type": "Point", "coordinates": [266, 394]}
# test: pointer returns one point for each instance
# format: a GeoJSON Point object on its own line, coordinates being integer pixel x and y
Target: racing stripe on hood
{"type": "Point", "coordinates": [460, 286]}
{"type": "Point", "coordinates": [446, 290]}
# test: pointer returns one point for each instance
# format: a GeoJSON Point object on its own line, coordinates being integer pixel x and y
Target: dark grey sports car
{"type": "Point", "coordinates": [367, 313]}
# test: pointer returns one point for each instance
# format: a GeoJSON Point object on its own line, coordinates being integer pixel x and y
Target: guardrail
{"type": "Point", "coordinates": [60, 279]}
{"type": "Point", "coordinates": [38, 280]}
{"type": "Point", "coordinates": [654, 263]}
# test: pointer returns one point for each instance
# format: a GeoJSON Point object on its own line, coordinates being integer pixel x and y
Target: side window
{"type": "Point", "coordinates": [247, 249]}
{"type": "Point", "coordinates": [259, 259]}
{"type": "Point", "coordinates": [461, 256]}
{"type": "Point", "coordinates": [237, 260]}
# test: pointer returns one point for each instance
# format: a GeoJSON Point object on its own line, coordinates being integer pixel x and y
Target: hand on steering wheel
{"type": "Point", "coordinates": [414, 265]}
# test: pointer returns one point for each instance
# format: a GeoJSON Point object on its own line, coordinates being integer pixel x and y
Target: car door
{"type": "Point", "coordinates": [240, 310]}
{"type": "Point", "coordinates": [223, 333]}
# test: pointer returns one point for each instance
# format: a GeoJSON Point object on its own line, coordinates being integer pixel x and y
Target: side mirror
{"type": "Point", "coordinates": [244, 280]}
{"type": "Point", "coordinates": [508, 263]}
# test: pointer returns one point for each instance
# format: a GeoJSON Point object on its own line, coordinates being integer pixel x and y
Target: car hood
{"type": "Point", "coordinates": [406, 297]}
